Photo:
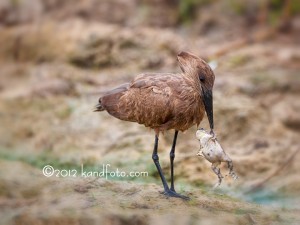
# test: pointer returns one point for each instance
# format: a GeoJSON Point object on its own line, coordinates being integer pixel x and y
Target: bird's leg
{"type": "Point", "coordinates": [167, 191]}
{"type": "Point", "coordinates": [156, 162]}
{"type": "Point", "coordinates": [172, 156]}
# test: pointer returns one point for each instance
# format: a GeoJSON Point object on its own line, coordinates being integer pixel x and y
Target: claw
{"type": "Point", "coordinates": [173, 194]}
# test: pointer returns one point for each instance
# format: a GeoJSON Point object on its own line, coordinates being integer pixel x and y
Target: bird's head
{"type": "Point", "coordinates": [199, 69]}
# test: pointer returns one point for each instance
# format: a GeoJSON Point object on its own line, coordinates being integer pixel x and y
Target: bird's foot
{"type": "Point", "coordinates": [172, 193]}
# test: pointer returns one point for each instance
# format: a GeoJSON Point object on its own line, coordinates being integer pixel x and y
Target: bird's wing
{"type": "Point", "coordinates": [160, 83]}
{"type": "Point", "coordinates": [117, 89]}
{"type": "Point", "coordinates": [149, 99]}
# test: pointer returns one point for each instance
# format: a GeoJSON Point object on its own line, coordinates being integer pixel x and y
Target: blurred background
{"type": "Point", "coordinates": [56, 57]}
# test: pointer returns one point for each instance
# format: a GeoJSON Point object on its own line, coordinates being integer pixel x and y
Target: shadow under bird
{"type": "Point", "coordinates": [165, 101]}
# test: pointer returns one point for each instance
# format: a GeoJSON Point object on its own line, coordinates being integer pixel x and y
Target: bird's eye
{"type": "Point", "coordinates": [202, 78]}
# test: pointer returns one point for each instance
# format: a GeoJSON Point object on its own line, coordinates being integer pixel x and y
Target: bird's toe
{"type": "Point", "coordinates": [170, 193]}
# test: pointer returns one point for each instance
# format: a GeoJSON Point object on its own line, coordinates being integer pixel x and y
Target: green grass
{"type": "Point", "coordinates": [40, 160]}
{"type": "Point", "coordinates": [188, 8]}
{"type": "Point", "coordinates": [239, 60]}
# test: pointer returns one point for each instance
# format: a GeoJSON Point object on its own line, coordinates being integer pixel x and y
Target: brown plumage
{"type": "Point", "coordinates": [164, 101]}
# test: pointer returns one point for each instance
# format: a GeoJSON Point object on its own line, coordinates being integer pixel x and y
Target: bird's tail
{"type": "Point", "coordinates": [110, 98]}
{"type": "Point", "coordinates": [99, 107]}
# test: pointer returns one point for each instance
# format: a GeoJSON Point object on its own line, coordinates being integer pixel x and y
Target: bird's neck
{"type": "Point", "coordinates": [193, 80]}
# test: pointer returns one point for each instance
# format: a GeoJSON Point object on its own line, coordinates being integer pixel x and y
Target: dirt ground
{"type": "Point", "coordinates": [56, 59]}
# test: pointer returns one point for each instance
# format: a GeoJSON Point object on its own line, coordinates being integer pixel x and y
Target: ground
{"type": "Point", "coordinates": [52, 74]}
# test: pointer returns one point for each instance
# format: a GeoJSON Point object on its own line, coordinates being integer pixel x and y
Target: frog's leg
{"type": "Point", "coordinates": [200, 153]}
{"type": "Point", "coordinates": [231, 172]}
{"type": "Point", "coordinates": [216, 169]}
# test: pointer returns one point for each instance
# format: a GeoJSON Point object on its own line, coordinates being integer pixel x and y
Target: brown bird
{"type": "Point", "coordinates": [164, 101]}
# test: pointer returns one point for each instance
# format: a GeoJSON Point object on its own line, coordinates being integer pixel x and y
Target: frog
{"type": "Point", "coordinates": [212, 151]}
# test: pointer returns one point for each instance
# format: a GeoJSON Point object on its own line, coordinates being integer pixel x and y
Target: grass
{"type": "Point", "coordinates": [187, 9]}
{"type": "Point", "coordinates": [239, 60]}
{"type": "Point", "coordinates": [64, 112]}
{"type": "Point", "coordinates": [239, 7]}
{"type": "Point", "coordinates": [240, 211]}
{"type": "Point", "coordinates": [265, 81]}
{"type": "Point", "coordinates": [41, 159]}
{"type": "Point", "coordinates": [87, 168]}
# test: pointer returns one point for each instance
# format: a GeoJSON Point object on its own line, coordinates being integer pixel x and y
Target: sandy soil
{"type": "Point", "coordinates": [93, 201]}
{"type": "Point", "coordinates": [52, 74]}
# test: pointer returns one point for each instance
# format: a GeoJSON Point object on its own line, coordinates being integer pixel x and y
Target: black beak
{"type": "Point", "coordinates": [208, 103]}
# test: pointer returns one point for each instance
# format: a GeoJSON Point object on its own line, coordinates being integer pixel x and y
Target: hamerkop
{"type": "Point", "coordinates": [165, 101]}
